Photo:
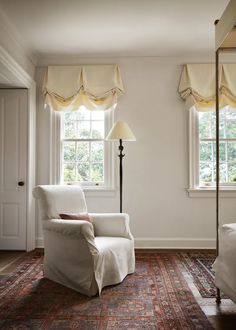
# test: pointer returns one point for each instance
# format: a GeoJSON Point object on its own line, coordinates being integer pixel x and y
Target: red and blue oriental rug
{"type": "Point", "coordinates": [199, 265]}
{"type": "Point", "coordinates": [156, 296]}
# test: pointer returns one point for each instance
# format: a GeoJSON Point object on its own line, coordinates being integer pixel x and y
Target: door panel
{"type": "Point", "coordinates": [13, 168]}
{"type": "Point", "coordinates": [10, 223]}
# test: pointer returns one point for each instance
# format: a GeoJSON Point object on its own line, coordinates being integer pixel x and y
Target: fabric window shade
{"type": "Point", "coordinates": [197, 85]}
{"type": "Point", "coordinates": [228, 85]}
{"type": "Point", "coordinates": [97, 87]}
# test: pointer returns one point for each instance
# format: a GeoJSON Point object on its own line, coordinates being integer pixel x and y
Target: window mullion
{"type": "Point", "coordinates": [90, 142]}
{"type": "Point", "coordinates": [76, 161]}
{"type": "Point", "coordinates": [226, 161]}
{"type": "Point", "coordinates": [213, 161]}
{"type": "Point", "coordinates": [90, 161]}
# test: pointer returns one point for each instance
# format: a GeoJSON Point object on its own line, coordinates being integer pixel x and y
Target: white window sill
{"type": "Point", "coordinates": [225, 192]}
{"type": "Point", "coordinates": [99, 192]}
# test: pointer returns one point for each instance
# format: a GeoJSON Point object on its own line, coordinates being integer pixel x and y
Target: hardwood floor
{"type": "Point", "coordinates": [9, 261]}
{"type": "Point", "coordinates": [222, 317]}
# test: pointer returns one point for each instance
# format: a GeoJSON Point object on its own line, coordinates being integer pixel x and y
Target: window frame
{"type": "Point", "coordinates": [56, 156]}
{"type": "Point", "coordinates": [194, 189]}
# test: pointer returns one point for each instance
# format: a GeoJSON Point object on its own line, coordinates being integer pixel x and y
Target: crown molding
{"type": "Point", "coordinates": [15, 73]}
{"type": "Point", "coordinates": [75, 59]}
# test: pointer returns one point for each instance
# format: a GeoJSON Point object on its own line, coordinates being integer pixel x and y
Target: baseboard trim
{"type": "Point", "coordinates": [174, 243]}
{"type": "Point", "coordinates": [163, 243]}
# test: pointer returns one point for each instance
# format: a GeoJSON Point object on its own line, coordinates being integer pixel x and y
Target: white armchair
{"type": "Point", "coordinates": [81, 255]}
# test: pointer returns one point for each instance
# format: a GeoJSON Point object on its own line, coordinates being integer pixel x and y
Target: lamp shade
{"type": "Point", "coordinates": [121, 131]}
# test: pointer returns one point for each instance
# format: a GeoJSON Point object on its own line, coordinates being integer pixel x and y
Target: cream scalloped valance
{"type": "Point", "coordinates": [97, 87]}
{"type": "Point", "coordinates": [197, 85]}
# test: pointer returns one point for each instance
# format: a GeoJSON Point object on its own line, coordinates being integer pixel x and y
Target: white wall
{"type": "Point", "coordinates": [156, 165]}
{"type": "Point", "coordinates": [14, 53]}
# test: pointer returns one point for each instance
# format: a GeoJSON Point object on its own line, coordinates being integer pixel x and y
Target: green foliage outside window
{"type": "Point", "coordinates": [83, 147]}
{"type": "Point", "coordinates": [227, 147]}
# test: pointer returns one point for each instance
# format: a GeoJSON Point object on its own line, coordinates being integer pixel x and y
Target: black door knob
{"type": "Point", "coordinates": [21, 183]}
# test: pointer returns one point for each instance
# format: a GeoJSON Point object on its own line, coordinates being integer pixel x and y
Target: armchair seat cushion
{"type": "Point", "coordinates": [111, 244]}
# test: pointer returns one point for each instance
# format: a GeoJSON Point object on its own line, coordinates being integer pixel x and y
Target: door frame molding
{"type": "Point", "coordinates": [19, 78]}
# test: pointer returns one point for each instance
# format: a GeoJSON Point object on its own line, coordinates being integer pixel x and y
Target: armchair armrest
{"type": "Point", "coordinates": [111, 224]}
{"type": "Point", "coordinates": [73, 228]}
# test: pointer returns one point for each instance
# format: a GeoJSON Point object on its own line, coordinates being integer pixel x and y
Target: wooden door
{"type": "Point", "coordinates": [13, 168]}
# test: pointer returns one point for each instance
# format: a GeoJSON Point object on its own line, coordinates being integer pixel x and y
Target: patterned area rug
{"type": "Point", "coordinates": [199, 265]}
{"type": "Point", "coordinates": [156, 296]}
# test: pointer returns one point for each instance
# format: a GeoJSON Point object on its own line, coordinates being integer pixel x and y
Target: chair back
{"type": "Point", "coordinates": [56, 199]}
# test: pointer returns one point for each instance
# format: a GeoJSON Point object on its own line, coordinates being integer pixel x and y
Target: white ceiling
{"type": "Point", "coordinates": [115, 27]}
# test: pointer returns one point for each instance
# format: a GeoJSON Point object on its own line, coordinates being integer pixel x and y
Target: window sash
{"type": "Point", "coordinates": [194, 154]}
{"type": "Point", "coordinates": [90, 162]}
{"type": "Point", "coordinates": [109, 170]}
{"type": "Point", "coordinates": [227, 162]}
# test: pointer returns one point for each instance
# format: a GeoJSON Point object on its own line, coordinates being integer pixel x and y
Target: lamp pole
{"type": "Point", "coordinates": [121, 155]}
{"type": "Point", "coordinates": [121, 132]}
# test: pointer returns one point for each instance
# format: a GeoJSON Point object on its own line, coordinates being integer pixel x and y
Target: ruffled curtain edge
{"type": "Point", "coordinates": [202, 103]}
{"type": "Point", "coordinates": [84, 97]}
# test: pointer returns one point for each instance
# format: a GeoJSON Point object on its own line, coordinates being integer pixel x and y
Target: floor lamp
{"type": "Point", "coordinates": [120, 132]}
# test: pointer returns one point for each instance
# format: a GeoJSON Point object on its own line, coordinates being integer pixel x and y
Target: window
{"type": "Point", "coordinates": [203, 148]}
{"type": "Point", "coordinates": [85, 155]}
